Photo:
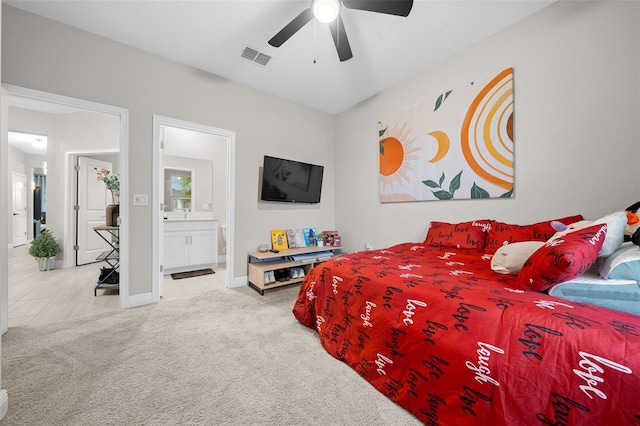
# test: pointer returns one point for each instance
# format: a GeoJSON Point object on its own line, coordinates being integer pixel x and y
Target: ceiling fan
{"type": "Point", "coordinates": [328, 11]}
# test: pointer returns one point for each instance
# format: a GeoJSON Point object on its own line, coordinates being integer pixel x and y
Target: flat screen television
{"type": "Point", "coordinates": [291, 181]}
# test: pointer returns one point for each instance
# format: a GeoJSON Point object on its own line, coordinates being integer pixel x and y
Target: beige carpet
{"type": "Point", "coordinates": [229, 357]}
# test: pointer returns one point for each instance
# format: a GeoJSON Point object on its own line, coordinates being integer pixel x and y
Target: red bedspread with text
{"type": "Point", "coordinates": [442, 335]}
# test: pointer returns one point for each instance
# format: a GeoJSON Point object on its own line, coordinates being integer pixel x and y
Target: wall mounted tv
{"type": "Point", "coordinates": [291, 181]}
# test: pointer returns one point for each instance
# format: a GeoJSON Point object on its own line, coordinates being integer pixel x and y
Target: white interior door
{"type": "Point", "coordinates": [92, 201]}
{"type": "Point", "coordinates": [19, 208]}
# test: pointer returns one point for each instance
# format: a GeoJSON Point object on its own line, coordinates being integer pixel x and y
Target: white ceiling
{"type": "Point", "coordinates": [31, 143]}
{"type": "Point", "coordinates": [28, 143]}
{"type": "Point", "coordinates": [211, 34]}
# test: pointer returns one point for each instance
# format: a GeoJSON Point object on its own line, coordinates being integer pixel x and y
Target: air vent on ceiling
{"type": "Point", "coordinates": [256, 57]}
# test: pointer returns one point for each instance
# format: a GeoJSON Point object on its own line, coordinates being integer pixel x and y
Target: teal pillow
{"type": "Point", "coordinates": [623, 264]}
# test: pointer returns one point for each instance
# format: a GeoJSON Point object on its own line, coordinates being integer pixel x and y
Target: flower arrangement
{"type": "Point", "coordinates": [112, 182]}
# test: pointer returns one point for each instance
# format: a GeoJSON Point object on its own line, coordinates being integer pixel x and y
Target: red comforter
{"type": "Point", "coordinates": [448, 339]}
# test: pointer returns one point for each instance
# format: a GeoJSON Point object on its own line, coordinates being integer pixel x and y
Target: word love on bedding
{"type": "Point", "coordinates": [437, 330]}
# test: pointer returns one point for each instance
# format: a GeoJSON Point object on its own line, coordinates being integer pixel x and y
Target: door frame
{"type": "Point", "coordinates": [158, 184]}
{"type": "Point", "coordinates": [69, 197]}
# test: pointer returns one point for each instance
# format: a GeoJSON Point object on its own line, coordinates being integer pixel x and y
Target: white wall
{"type": "Point", "coordinates": [66, 133]}
{"type": "Point", "coordinates": [577, 137]}
{"type": "Point", "coordinates": [103, 71]}
{"type": "Point", "coordinates": [43, 124]}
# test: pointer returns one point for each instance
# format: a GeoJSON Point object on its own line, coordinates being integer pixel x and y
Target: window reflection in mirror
{"type": "Point", "coordinates": [178, 184]}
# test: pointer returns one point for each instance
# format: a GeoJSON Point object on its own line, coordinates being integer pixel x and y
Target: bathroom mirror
{"type": "Point", "coordinates": [188, 184]}
{"type": "Point", "coordinates": [178, 196]}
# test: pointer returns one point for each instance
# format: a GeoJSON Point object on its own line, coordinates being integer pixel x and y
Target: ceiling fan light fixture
{"type": "Point", "coordinates": [326, 10]}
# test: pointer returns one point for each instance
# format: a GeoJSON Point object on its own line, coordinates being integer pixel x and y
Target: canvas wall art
{"type": "Point", "coordinates": [458, 145]}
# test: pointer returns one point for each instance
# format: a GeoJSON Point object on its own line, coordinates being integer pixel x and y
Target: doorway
{"type": "Point", "coordinates": [19, 208]}
{"type": "Point", "coordinates": [162, 126]}
{"type": "Point", "coordinates": [63, 183]}
{"type": "Point", "coordinates": [92, 198]}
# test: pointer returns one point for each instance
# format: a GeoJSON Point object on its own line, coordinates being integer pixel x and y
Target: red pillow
{"type": "Point", "coordinates": [563, 259]}
{"type": "Point", "coordinates": [502, 233]}
{"type": "Point", "coordinates": [464, 235]}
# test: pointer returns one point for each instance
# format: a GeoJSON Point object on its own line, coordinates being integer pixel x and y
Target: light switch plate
{"type": "Point", "coordinates": [140, 199]}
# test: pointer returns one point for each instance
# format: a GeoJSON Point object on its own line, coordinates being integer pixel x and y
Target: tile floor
{"type": "Point", "coordinates": [42, 297]}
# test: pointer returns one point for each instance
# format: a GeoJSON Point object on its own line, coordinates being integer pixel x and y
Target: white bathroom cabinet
{"type": "Point", "coordinates": [190, 245]}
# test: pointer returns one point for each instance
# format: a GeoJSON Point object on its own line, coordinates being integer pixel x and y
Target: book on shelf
{"type": "Point", "coordinates": [279, 239]}
{"type": "Point", "coordinates": [310, 237]}
{"type": "Point", "coordinates": [331, 238]}
{"type": "Point", "coordinates": [295, 238]}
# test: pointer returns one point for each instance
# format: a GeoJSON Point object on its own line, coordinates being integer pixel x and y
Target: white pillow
{"type": "Point", "coordinates": [509, 259]}
{"type": "Point", "coordinates": [616, 223]}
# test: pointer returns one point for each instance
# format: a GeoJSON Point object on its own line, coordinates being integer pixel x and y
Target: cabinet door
{"type": "Point", "coordinates": [176, 249]}
{"type": "Point", "coordinates": [202, 249]}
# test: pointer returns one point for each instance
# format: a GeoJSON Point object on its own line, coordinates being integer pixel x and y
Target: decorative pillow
{"type": "Point", "coordinates": [616, 223]}
{"type": "Point", "coordinates": [510, 258]}
{"type": "Point", "coordinates": [623, 264]}
{"type": "Point", "coordinates": [562, 259]}
{"type": "Point", "coordinates": [505, 233]}
{"type": "Point", "coordinates": [464, 235]}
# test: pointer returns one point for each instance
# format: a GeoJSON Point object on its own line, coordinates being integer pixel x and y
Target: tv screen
{"type": "Point", "coordinates": [291, 181]}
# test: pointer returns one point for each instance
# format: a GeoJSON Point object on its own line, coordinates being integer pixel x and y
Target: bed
{"type": "Point", "coordinates": [436, 330]}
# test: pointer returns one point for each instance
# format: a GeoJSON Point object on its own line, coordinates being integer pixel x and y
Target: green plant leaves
{"type": "Point", "coordinates": [44, 245]}
{"type": "Point", "coordinates": [442, 194]}
{"type": "Point", "coordinates": [380, 144]}
{"type": "Point", "coordinates": [441, 99]}
{"type": "Point", "coordinates": [454, 185]}
{"type": "Point", "coordinates": [477, 192]}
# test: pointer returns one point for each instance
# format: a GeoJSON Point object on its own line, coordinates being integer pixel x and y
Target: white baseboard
{"type": "Point", "coordinates": [139, 300]}
{"type": "Point", "coordinates": [239, 282]}
{"type": "Point", "coordinates": [4, 403]}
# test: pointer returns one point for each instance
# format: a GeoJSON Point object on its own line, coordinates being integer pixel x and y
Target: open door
{"type": "Point", "coordinates": [19, 209]}
{"type": "Point", "coordinates": [92, 200]}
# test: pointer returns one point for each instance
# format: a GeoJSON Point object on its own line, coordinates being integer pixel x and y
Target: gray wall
{"type": "Point", "coordinates": [577, 138]}
{"type": "Point", "coordinates": [72, 132]}
{"type": "Point", "coordinates": [577, 121]}
{"type": "Point", "coordinates": [85, 66]}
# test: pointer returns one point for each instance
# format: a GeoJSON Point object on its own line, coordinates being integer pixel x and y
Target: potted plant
{"type": "Point", "coordinates": [44, 248]}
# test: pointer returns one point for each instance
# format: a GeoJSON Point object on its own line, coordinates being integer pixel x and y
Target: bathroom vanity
{"type": "Point", "coordinates": [190, 244]}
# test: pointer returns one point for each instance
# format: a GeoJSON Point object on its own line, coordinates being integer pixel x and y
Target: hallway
{"type": "Point", "coordinates": [37, 297]}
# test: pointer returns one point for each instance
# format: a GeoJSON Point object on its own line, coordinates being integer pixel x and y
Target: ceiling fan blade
{"type": "Point", "coordinates": [390, 7]}
{"type": "Point", "coordinates": [291, 28]}
{"type": "Point", "coordinates": [340, 39]}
